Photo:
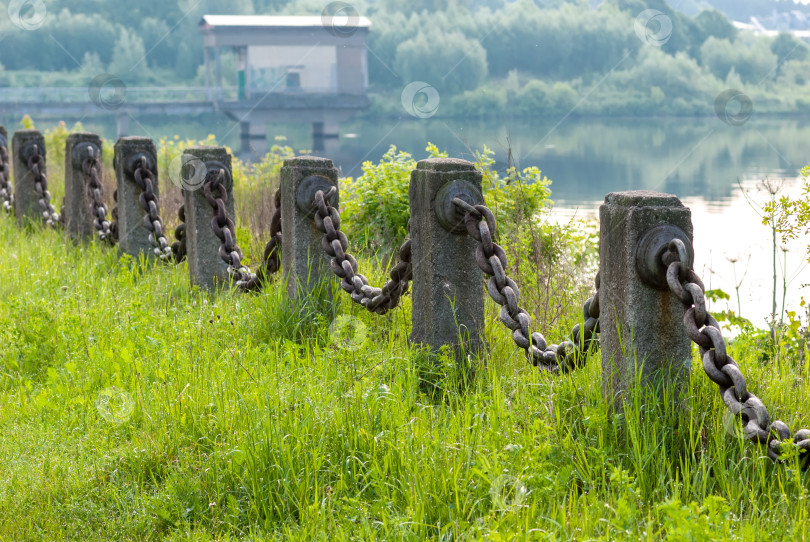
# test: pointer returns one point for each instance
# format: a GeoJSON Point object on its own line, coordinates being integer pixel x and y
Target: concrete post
{"type": "Point", "coordinates": [133, 235]}
{"type": "Point", "coordinates": [448, 286]}
{"type": "Point", "coordinates": [641, 324]}
{"type": "Point", "coordinates": [304, 263]}
{"type": "Point", "coordinates": [26, 201]}
{"type": "Point", "coordinates": [206, 267]}
{"type": "Point", "coordinates": [78, 215]}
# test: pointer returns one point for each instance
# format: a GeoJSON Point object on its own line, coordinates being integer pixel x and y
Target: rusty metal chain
{"type": "Point", "coordinates": [145, 180]}
{"type": "Point", "coordinates": [95, 193]}
{"type": "Point", "coordinates": [271, 263]}
{"type": "Point", "coordinates": [6, 194]}
{"type": "Point", "coordinates": [225, 230]}
{"type": "Point", "coordinates": [114, 214]}
{"type": "Point", "coordinates": [41, 186]}
{"type": "Point", "coordinates": [335, 244]}
{"type": "Point", "coordinates": [272, 250]}
{"type": "Point", "coordinates": [179, 246]}
{"type": "Point", "coordinates": [491, 259]}
{"type": "Point", "coordinates": [720, 367]}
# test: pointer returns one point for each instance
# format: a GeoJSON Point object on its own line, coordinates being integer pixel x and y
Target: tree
{"type": "Point", "coordinates": [416, 6]}
{"type": "Point", "coordinates": [449, 62]}
{"type": "Point", "coordinates": [752, 61]}
{"type": "Point", "coordinates": [719, 55]}
{"type": "Point", "coordinates": [787, 47]}
{"type": "Point", "coordinates": [387, 32]}
{"type": "Point", "coordinates": [128, 53]}
{"type": "Point", "coordinates": [533, 99]}
{"type": "Point", "coordinates": [91, 66]}
{"type": "Point", "coordinates": [156, 38]}
{"type": "Point", "coordinates": [757, 63]}
{"type": "Point", "coordinates": [711, 22]}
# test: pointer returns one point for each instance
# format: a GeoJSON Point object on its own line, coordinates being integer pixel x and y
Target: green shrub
{"type": "Point", "coordinates": [374, 207]}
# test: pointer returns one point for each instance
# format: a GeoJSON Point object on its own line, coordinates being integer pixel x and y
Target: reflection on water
{"type": "Point", "coordinates": [705, 162]}
{"type": "Point", "coordinates": [733, 247]}
{"type": "Point", "coordinates": [587, 158]}
{"type": "Point", "coordinates": [711, 166]}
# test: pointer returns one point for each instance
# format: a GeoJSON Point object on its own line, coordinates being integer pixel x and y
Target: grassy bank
{"type": "Point", "coordinates": [133, 407]}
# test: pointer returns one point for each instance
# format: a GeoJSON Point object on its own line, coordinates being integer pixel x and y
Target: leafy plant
{"type": "Point", "coordinates": [791, 216]}
{"type": "Point", "coordinates": [375, 206]}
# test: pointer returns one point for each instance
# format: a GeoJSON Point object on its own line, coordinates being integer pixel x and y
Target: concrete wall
{"type": "Point", "coordinates": [326, 63]}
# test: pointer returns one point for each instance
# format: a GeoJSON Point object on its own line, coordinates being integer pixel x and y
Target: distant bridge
{"type": "Point", "coordinates": [323, 108]}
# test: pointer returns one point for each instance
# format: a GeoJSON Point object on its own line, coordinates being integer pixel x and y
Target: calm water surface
{"type": "Point", "coordinates": [717, 170]}
{"type": "Point", "coordinates": [714, 168]}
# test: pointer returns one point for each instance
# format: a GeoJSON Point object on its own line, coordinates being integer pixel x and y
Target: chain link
{"type": "Point", "coordinates": [335, 244]}
{"type": "Point", "coordinates": [272, 250]}
{"type": "Point", "coordinates": [114, 214]}
{"type": "Point", "coordinates": [224, 229]}
{"type": "Point", "coordinates": [95, 193]}
{"type": "Point", "coordinates": [720, 367]}
{"type": "Point", "coordinates": [6, 194]}
{"type": "Point", "coordinates": [145, 180]}
{"type": "Point", "coordinates": [491, 259]}
{"type": "Point", "coordinates": [179, 246]}
{"type": "Point", "coordinates": [35, 161]}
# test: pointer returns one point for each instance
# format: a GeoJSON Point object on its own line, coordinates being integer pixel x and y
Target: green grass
{"type": "Point", "coordinates": [248, 421]}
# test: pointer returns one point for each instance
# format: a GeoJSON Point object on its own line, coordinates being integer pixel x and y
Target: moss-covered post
{"type": "Point", "coordinates": [26, 200]}
{"type": "Point", "coordinates": [133, 234]}
{"type": "Point", "coordinates": [77, 210]}
{"type": "Point", "coordinates": [448, 286]}
{"type": "Point", "coordinates": [304, 263]}
{"type": "Point", "coordinates": [207, 269]}
{"type": "Point", "coordinates": [643, 338]}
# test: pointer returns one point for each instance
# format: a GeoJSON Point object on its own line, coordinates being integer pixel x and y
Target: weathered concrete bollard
{"type": "Point", "coordinates": [304, 263]}
{"type": "Point", "coordinates": [133, 234]}
{"type": "Point", "coordinates": [29, 204]}
{"type": "Point", "coordinates": [206, 267]}
{"type": "Point", "coordinates": [448, 292]}
{"type": "Point", "coordinates": [78, 211]}
{"type": "Point", "coordinates": [641, 324]}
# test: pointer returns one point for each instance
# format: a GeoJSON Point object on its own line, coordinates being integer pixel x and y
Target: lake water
{"type": "Point", "coordinates": [715, 169]}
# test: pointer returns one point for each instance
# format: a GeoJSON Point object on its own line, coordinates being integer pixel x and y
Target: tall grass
{"type": "Point", "coordinates": [135, 407]}
{"type": "Point", "coordinates": [249, 422]}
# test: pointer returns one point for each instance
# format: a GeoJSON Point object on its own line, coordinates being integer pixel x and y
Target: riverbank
{"type": "Point", "coordinates": [135, 407]}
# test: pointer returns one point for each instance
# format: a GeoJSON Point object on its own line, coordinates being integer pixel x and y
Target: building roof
{"type": "Point", "coordinates": [282, 21]}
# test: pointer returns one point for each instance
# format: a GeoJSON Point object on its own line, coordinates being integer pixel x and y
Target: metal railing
{"type": "Point", "coordinates": [30, 95]}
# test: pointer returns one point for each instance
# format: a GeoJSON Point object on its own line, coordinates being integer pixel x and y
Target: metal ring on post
{"type": "Point", "coordinates": [134, 162]}
{"type": "Point", "coordinates": [84, 150]}
{"type": "Point", "coordinates": [213, 166]}
{"type": "Point", "coordinates": [448, 214]}
{"type": "Point", "coordinates": [305, 196]}
{"type": "Point", "coordinates": [651, 247]}
{"type": "Point", "coordinates": [28, 150]}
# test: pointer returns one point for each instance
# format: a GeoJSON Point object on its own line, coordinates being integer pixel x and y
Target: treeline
{"type": "Point", "coordinates": [149, 40]}
{"type": "Point", "coordinates": [485, 57]}
{"type": "Point", "coordinates": [524, 60]}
